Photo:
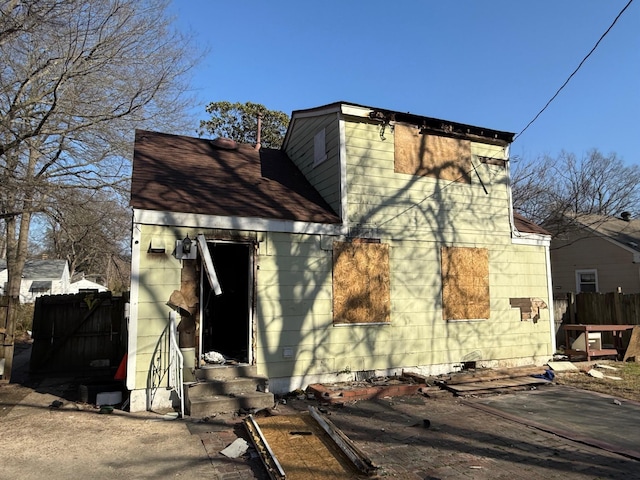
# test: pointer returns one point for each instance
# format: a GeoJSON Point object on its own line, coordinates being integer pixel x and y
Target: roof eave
{"type": "Point", "coordinates": [426, 124]}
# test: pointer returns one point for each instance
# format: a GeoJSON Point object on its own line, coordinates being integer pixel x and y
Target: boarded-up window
{"type": "Point", "coordinates": [465, 283]}
{"type": "Point", "coordinates": [431, 155]}
{"type": "Point", "coordinates": [361, 292]}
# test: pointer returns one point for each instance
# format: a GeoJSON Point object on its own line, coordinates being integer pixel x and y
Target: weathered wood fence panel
{"type": "Point", "coordinates": [597, 309]}
{"type": "Point", "coordinates": [608, 308]}
{"type": "Point", "coordinates": [80, 333]}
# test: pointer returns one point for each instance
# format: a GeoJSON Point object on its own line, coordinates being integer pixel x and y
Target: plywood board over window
{"type": "Point", "coordinates": [428, 155]}
{"type": "Point", "coordinates": [465, 283]}
{"type": "Point", "coordinates": [361, 290]}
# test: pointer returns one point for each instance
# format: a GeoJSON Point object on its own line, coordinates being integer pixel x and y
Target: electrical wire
{"type": "Point", "coordinates": [410, 207]}
{"type": "Point", "coordinates": [575, 71]}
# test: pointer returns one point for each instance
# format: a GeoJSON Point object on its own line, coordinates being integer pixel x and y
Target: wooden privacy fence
{"type": "Point", "coordinates": [80, 333]}
{"type": "Point", "coordinates": [612, 308]}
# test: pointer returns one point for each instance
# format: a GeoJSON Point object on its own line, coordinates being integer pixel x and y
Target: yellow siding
{"type": "Point", "coordinates": [416, 216]}
{"type": "Point", "coordinates": [325, 177]}
{"type": "Point", "coordinates": [417, 334]}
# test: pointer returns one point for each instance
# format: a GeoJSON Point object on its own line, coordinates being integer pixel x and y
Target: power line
{"type": "Point", "coordinates": [575, 71]}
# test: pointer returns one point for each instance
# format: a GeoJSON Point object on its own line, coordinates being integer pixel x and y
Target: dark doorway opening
{"type": "Point", "coordinates": [226, 317]}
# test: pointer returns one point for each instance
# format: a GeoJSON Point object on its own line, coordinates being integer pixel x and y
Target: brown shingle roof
{"type": "Point", "coordinates": [190, 175]}
{"type": "Point", "coordinates": [527, 226]}
{"type": "Point", "coordinates": [626, 232]}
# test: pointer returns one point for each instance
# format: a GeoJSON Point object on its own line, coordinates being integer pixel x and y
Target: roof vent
{"type": "Point", "coordinates": [626, 216]}
{"type": "Point", "coordinates": [224, 143]}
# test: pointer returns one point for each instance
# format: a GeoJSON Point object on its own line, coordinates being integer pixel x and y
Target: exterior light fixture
{"type": "Point", "coordinates": [186, 245]}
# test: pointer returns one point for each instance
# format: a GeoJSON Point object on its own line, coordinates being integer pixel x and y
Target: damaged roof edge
{"type": "Point", "coordinates": [430, 124]}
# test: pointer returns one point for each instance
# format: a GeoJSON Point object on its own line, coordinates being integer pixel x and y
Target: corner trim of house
{"type": "Point", "coordinates": [552, 321]}
{"type": "Point", "coordinates": [133, 309]}
{"type": "Point", "coordinates": [344, 213]}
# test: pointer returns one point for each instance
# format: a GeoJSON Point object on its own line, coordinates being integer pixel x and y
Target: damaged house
{"type": "Point", "coordinates": [373, 241]}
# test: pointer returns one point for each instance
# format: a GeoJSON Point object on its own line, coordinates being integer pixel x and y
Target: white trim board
{"type": "Point", "coordinates": [191, 220]}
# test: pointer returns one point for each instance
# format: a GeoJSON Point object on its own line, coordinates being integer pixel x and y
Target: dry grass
{"type": "Point", "coordinates": [628, 387]}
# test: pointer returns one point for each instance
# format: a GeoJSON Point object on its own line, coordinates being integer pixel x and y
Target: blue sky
{"type": "Point", "coordinates": [492, 63]}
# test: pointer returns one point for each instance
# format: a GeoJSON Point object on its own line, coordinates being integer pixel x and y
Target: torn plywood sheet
{"type": "Point", "coordinates": [529, 308]}
{"type": "Point", "coordinates": [300, 447]}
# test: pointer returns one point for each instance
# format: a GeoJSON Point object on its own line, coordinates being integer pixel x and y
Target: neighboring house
{"type": "Point", "coordinates": [84, 285]}
{"type": "Point", "coordinates": [596, 253]}
{"type": "Point", "coordinates": [39, 277]}
{"type": "Point", "coordinates": [373, 241]}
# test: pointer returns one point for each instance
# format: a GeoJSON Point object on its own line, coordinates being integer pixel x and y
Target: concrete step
{"type": "Point", "coordinates": [231, 386]}
{"type": "Point", "coordinates": [222, 372]}
{"type": "Point", "coordinates": [214, 404]}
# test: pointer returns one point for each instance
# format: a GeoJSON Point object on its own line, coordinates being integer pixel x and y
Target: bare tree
{"type": "Point", "coordinates": [76, 78]}
{"type": "Point", "coordinates": [91, 230]}
{"type": "Point", "coordinates": [549, 189]}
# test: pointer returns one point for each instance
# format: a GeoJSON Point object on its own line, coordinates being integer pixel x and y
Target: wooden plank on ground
{"type": "Point", "coordinates": [498, 374]}
{"type": "Point", "coordinates": [304, 450]}
{"type": "Point", "coordinates": [495, 384]}
{"type": "Point", "coordinates": [563, 367]}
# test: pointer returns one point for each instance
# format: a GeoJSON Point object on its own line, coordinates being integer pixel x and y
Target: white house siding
{"type": "Point", "coordinates": [86, 285]}
{"type": "Point", "coordinates": [325, 177]}
{"type": "Point", "coordinates": [60, 285]}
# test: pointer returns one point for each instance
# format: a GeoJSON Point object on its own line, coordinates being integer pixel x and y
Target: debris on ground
{"type": "Point", "coordinates": [491, 381]}
{"type": "Point", "coordinates": [595, 373]}
{"type": "Point", "coordinates": [307, 445]}
{"type": "Point", "coordinates": [237, 448]}
{"type": "Point", "coordinates": [377, 387]}
{"type": "Point", "coordinates": [563, 366]}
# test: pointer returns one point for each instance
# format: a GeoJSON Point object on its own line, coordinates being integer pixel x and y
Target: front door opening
{"type": "Point", "coordinates": [226, 318]}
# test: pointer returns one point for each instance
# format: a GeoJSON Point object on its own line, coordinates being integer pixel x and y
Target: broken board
{"type": "Point", "coordinates": [300, 447]}
{"type": "Point", "coordinates": [493, 386]}
{"type": "Point", "coordinates": [633, 350]}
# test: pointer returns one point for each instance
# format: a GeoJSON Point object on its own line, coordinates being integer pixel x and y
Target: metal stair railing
{"type": "Point", "coordinates": [176, 362]}
{"type": "Point", "coordinates": [167, 361]}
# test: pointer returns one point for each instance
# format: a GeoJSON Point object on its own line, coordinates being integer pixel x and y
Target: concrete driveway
{"type": "Point", "coordinates": [603, 421]}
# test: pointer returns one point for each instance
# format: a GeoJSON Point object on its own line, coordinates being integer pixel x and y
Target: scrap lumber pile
{"type": "Point", "coordinates": [490, 381]}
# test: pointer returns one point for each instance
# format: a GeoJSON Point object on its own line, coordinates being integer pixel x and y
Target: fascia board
{"type": "Point", "coordinates": [356, 111]}
{"type": "Point", "coordinates": [535, 239]}
{"type": "Point", "coordinates": [164, 218]}
{"type": "Point", "coordinates": [306, 114]}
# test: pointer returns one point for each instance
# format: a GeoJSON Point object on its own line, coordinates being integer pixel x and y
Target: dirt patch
{"type": "Point", "coordinates": [10, 395]}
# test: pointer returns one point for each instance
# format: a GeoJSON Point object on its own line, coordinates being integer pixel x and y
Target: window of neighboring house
{"type": "Point", "coordinates": [428, 155]}
{"type": "Point", "coordinates": [465, 283]}
{"type": "Point", "coordinates": [586, 281]}
{"type": "Point", "coordinates": [39, 287]}
{"type": "Point", "coordinates": [319, 148]}
{"type": "Point", "coordinates": [361, 290]}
